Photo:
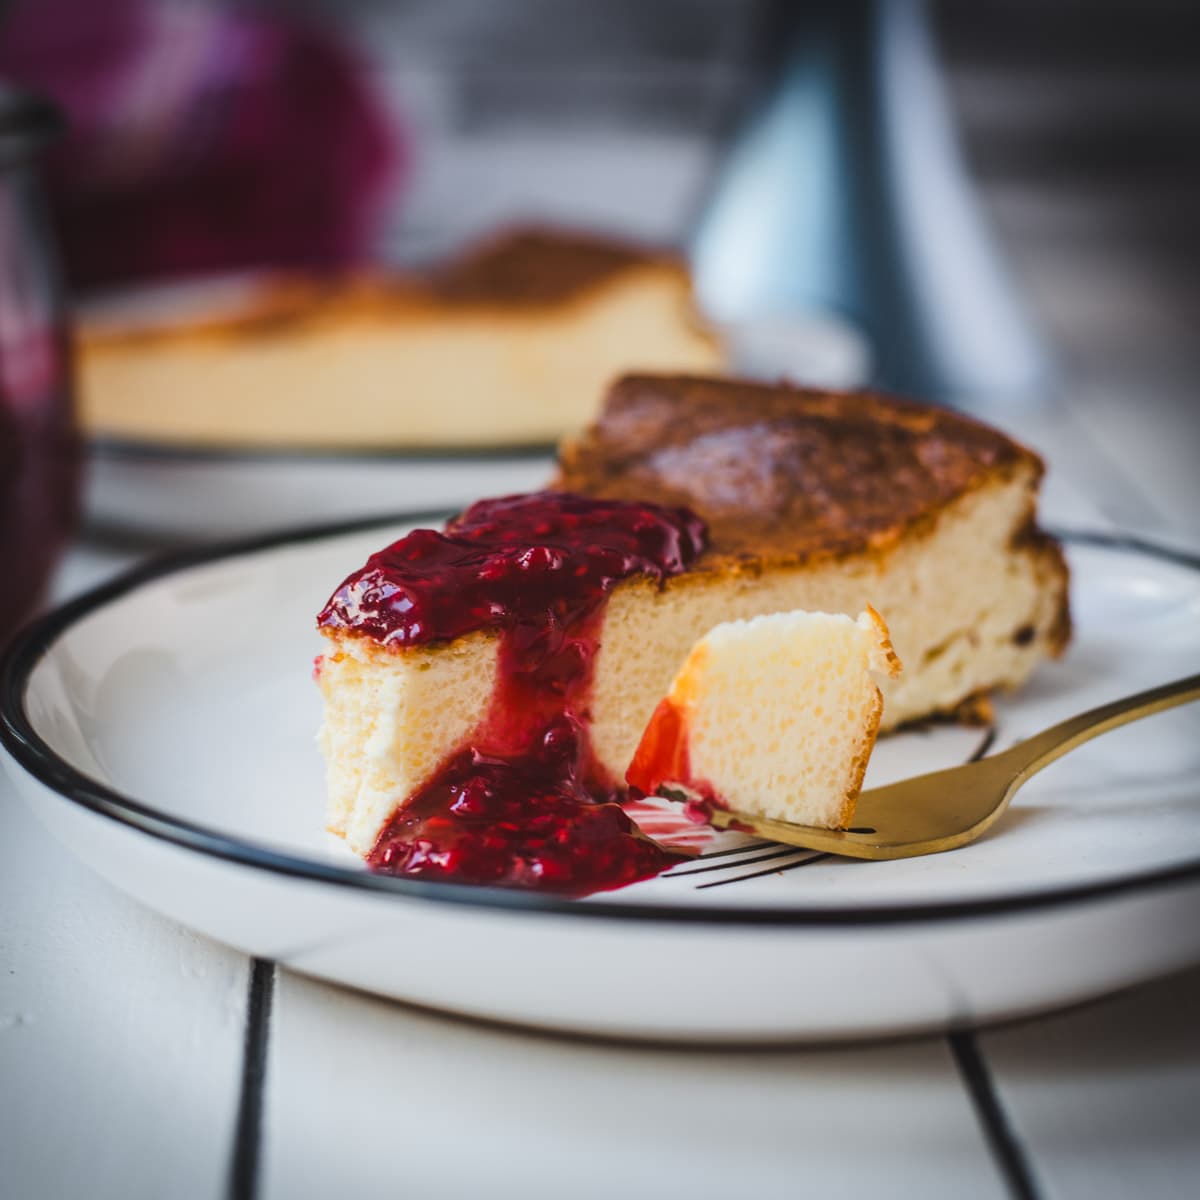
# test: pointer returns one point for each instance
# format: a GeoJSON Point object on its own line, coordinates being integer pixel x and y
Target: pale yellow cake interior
{"type": "Point", "coordinates": [779, 713]}
{"type": "Point", "coordinates": [409, 375]}
{"type": "Point", "coordinates": [391, 717]}
{"type": "Point", "coordinates": [968, 612]}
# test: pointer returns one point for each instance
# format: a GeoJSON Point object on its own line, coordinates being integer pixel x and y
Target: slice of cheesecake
{"type": "Point", "coordinates": [808, 500]}
{"type": "Point", "coordinates": [775, 716]}
{"type": "Point", "coordinates": [507, 345]}
{"type": "Point", "coordinates": [827, 501]}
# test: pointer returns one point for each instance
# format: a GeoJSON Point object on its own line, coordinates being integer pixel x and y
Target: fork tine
{"type": "Point", "coordinates": [924, 815]}
{"type": "Point", "coordinates": [948, 809]}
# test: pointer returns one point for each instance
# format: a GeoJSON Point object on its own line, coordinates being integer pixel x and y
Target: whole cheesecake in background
{"type": "Point", "coordinates": [457, 685]}
{"type": "Point", "coordinates": [754, 500]}
{"type": "Point", "coordinates": [508, 344]}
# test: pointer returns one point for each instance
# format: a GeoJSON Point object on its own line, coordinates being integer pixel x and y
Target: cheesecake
{"type": "Point", "coordinates": [827, 501]}
{"type": "Point", "coordinates": [554, 623]}
{"type": "Point", "coordinates": [775, 717]}
{"type": "Point", "coordinates": [510, 343]}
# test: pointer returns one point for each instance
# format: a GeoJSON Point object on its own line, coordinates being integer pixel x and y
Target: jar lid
{"type": "Point", "coordinates": [27, 124]}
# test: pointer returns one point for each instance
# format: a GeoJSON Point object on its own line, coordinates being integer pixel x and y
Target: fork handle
{"type": "Point", "coordinates": [1042, 749]}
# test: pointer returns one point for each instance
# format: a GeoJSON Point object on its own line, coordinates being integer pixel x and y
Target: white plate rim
{"type": "Point", "coordinates": [34, 755]}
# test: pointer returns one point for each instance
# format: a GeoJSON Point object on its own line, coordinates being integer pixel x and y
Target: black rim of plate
{"type": "Point", "coordinates": [35, 756]}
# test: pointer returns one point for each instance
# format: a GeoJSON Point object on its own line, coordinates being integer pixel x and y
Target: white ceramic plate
{"type": "Point", "coordinates": [169, 491]}
{"type": "Point", "coordinates": [162, 727]}
{"type": "Point", "coordinates": [178, 494]}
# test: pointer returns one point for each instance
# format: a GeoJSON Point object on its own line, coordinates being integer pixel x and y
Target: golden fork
{"type": "Point", "coordinates": [947, 809]}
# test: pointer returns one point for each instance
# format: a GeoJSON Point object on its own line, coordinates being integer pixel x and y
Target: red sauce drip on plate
{"type": "Point", "coordinates": [524, 804]}
{"type": "Point", "coordinates": [525, 821]}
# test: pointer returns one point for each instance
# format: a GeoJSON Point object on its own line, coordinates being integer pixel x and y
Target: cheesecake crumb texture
{"type": "Point", "coordinates": [775, 716]}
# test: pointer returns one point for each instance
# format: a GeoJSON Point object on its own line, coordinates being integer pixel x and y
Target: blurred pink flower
{"type": "Point", "coordinates": [202, 140]}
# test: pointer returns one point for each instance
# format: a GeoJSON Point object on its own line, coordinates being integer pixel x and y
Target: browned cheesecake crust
{"type": "Point", "coordinates": [785, 475]}
{"type": "Point", "coordinates": [533, 267]}
{"type": "Point", "coordinates": [521, 269]}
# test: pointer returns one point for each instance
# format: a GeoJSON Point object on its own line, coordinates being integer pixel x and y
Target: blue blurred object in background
{"type": "Point", "coordinates": [845, 190]}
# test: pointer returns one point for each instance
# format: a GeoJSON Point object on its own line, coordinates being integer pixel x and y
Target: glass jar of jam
{"type": "Point", "coordinates": [39, 445]}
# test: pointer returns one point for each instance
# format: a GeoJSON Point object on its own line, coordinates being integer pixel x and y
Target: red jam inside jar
{"type": "Point", "coordinates": [39, 447]}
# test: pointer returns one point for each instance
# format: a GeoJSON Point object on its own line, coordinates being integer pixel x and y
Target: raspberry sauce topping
{"type": "Point", "coordinates": [541, 560]}
{"type": "Point", "coordinates": [524, 803]}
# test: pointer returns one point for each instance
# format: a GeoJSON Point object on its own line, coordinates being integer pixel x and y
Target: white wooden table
{"type": "Point", "coordinates": [140, 1060]}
